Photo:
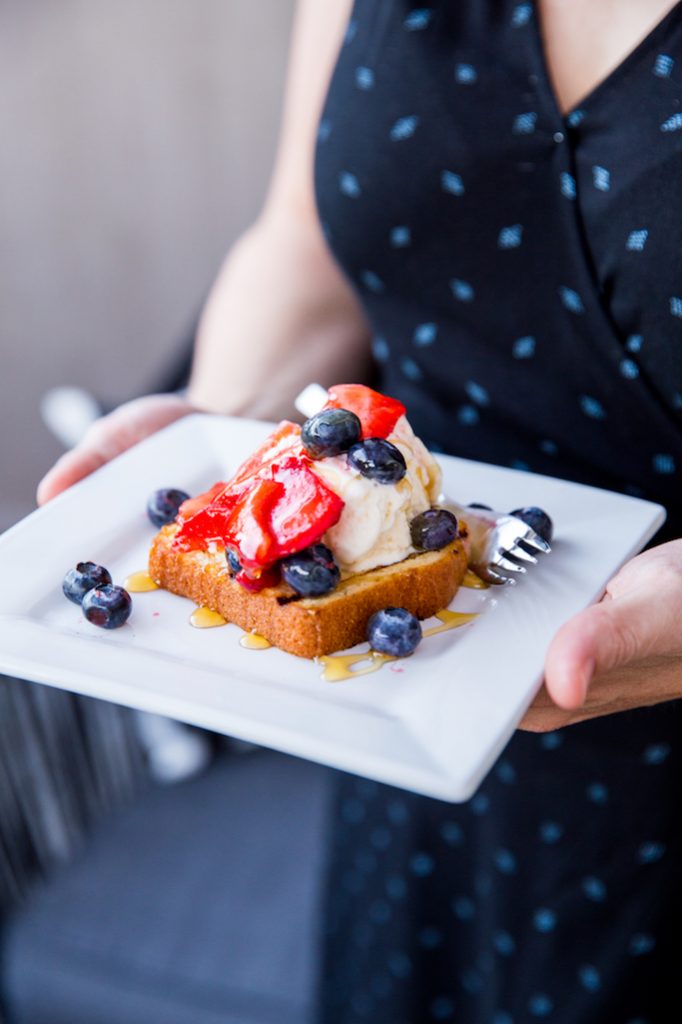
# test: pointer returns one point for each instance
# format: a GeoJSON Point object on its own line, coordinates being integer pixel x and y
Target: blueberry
{"type": "Point", "coordinates": [394, 631]}
{"type": "Point", "coordinates": [83, 578]}
{"type": "Point", "coordinates": [378, 460]}
{"type": "Point", "coordinates": [311, 572]}
{"type": "Point", "coordinates": [233, 564]}
{"type": "Point", "coordinates": [108, 606]}
{"type": "Point", "coordinates": [433, 529]}
{"type": "Point", "coordinates": [537, 519]}
{"type": "Point", "coordinates": [163, 505]}
{"type": "Point", "coordinates": [330, 432]}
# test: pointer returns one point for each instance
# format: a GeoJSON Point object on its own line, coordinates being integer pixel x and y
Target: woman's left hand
{"type": "Point", "coordinates": [624, 652]}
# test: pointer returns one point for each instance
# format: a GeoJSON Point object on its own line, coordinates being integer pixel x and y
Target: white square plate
{"type": "Point", "coordinates": [433, 723]}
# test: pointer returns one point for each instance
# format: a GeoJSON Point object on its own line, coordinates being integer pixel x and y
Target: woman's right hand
{"type": "Point", "coordinates": [110, 436]}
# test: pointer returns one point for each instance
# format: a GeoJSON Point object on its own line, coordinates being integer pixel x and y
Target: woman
{"type": "Point", "coordinates": [493, 177]}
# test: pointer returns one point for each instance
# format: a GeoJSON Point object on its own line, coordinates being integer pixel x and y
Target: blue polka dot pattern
{"type": "Point", "coordinates": [551, 831]}
{"type": "Point", "coordinates": [540, 1005]}
{"type": "Point", "coordinates": [601, 178]}
{"type": "Point", "coordinates": [504, 943]}
{"type": "Point", "coordinates": [380, 349]}
{"type": "Point", "coordinates": [480, 803]}
{"type": "Point", "coordinates": [656, 753]}
{"type": "Point", "coordinates": [568, 187]}
{"type": "Point", "coordinates": [464, 292]}
{"type": "Point", "coordinates": [418, 19]}
{"type": "Point", "coordinates": [672, 124]}
{"type": "Point", "coordinates": [594, 889]}
{"type": "Point", "coordinates": [522, 14]}
{"type": "Point", "coordinates": [524, 348]}
{"type": "Point", "coordinates": [637, 240]}
{"type": "Point", "coordinates": [364, 78]}
{"type": "Point", "coordinates": [520, 273]}
{"type": "Point", "coordinates": [505, 772]}
{"type": "Point", "coordinates": [592, 407]}
{"type": "Point", "coordinates": [650, 852]}
{"type": "Point", "coordinates": [421, 864]}
{"type": "Point", "coordinates": [664, 65]}
{"type": "Point", "coordinates": [477, 393]}
{"type": "Point", "coordinates": [425, 334]}
{"type": "Point", "coordinates": [597, 793]}
{"type": "Point", "coordinates": [524, 124]}
{"type": "Point", "coordinates": [372, 281]}
{"type": "Point", "coordinates": [349, 185]}
{"type": "Point", "coordinates": [664, 463]}
{"type": "Point", "coordinates": [505, 861]}
{"type": "Point", "coordinates": [510, 238]}
{"type": "Point", "coordinates": [571, 299]}
{"type": "Point", "coordinates": [640, 944]}
{"type": "Point", "coordinates": [464, 908]}
{"type": "Point", "coordinates": [411, 369]}
{"type": "Point", "coordinates": [404, 128]}
{"type": "Point", "coordinates": [589, 977]}
{"type": "Point", "coordinates": [544, 919]}
{"type": "Point", "coordinates": [452, 833]}
{"type": "Point", "coordinates": [575, 118]}
{"type": "Point", "coordinates": [629, 369]}
{"type": "Point", "coordinates": [401, 236]}
{"type": "Point", "coordinates": [452, 183]}
{"type": "Point", "coordinates": [465, 74]}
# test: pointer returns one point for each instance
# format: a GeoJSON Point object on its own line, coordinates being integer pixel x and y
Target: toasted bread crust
{"type": "Point", "coordinates": [423, 583]}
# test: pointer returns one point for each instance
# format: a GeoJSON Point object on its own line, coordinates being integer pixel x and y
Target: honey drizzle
{"type": "Point", "coordinates": [344, 666]}
{"type": "Point", "coordinates": [140, 583]}
{"type": "Point", "coordinates": [254, 642]}
{"type": "Point", "coordinates": [450, 620]}
{"type": "Point", "coordinates": [205, 618]}
{"type": "Point", "coordinates": [474, 582]}
{"type": "Point", "coordinates": [337, 667]}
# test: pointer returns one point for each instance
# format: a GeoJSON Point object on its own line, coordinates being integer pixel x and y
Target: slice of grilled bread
{"type": "Point", "coordinates": [424, 583]}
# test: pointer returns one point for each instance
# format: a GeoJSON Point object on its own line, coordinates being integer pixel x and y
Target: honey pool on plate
{"type": "Point", "coordinates": [335, 667]}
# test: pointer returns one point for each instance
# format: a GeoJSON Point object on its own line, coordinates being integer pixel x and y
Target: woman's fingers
{"type": "Point", "coordinates": [109, 437]}
{"type": "Point", "coordinates": [68, 470]}
{"type": "Point", "coordinates": [636, 621]}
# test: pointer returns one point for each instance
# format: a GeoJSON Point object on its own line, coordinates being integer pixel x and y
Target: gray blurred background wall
{"type": "Point", "coordinates": [136, 138]}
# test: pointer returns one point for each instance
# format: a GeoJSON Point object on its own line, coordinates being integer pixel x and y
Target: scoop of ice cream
{"type": "Point", "coordinates": [374, 528]}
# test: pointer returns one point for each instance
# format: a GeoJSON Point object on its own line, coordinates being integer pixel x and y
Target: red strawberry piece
{"type": "Point", "coordinates": [307, 509]}
{"type": "Point", "coordinates": [377, 413]}
{"type": "Point", "coordinates": [190, 507]}
{"type": "Point", "coordinates": [285, 439]}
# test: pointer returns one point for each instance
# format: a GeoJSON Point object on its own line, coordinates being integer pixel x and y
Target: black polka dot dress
{"type": "Point", "coordinates": [522, 273]}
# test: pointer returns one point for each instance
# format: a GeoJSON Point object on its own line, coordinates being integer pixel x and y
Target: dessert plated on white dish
{"type": "Point", "coordinates": [433, 722]}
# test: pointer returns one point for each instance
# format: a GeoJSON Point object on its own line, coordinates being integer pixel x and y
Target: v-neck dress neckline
{"type": "Point", "coordinates": [612, 78]}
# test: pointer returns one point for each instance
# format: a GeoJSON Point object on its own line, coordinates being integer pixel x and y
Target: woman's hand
{"type": "Point", "coordinates": [110, 436]}
{"type": "Point", "coordinates": [624, 652]}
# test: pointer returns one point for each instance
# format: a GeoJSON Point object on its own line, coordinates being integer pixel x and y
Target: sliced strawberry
{"type": "Point", "coordinates": [248, 527]}
{"type": "Point", "coordinates": [190, 507]}
{"type": "Point", "coordinates": [284, 439]}
{"type": "Point", "coordinates": [307, 510]}
{"type": "Point", "coordinates": [267, 578]}
{"type": "Point", "coordinates": [273, 506]}
{"type": "Point", "coordinates": [377, 413]}
{"type": "Point", "coordinates": [208, 524]}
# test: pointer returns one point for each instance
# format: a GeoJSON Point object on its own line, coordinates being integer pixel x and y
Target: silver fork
{"type": "Point", "coordinates": [502, 546]}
